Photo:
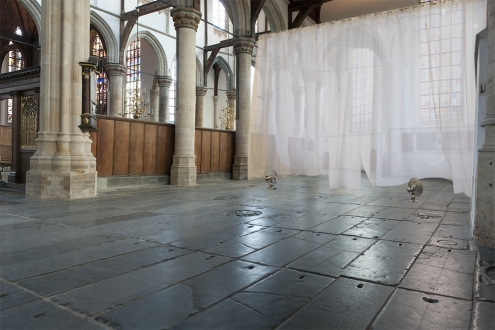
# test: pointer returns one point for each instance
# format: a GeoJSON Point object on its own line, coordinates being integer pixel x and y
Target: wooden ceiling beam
{"type": "Point", "coordinates": [148, 9]}
{"type": "Point", "coordinates": [256, 6]}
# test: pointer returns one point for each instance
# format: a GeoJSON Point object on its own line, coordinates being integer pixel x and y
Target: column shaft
{"type": "Point", "coordinates": [243, 48]}
{"type": "Point", "coordinates": [116, 74]}
{"type": "Point", "coordinates": [164, 82]}
{"type": "Point", "coordinates": [231, 97]}
{"type": "Point", "coordinates": [200, 105]}
{"type": "Point", "coordinates": [154, 103]}
{"type": "Point", "coordinates": [216, 113]}
{"type": "Point", "coordinates": [183, 171]}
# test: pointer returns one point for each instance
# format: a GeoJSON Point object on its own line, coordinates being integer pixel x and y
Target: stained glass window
{"type": "Point", "coordinates": [98, 49]}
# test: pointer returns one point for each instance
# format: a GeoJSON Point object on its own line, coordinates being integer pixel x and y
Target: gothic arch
{"type": "Point", "coordinates": [239, 12]}
{"type": "Point", "coordinates": [107, 34]}
{"type": "Point", "coordinates": [162, 67]}
{"type": "Point", "coordinates": [199, 73]}
{"type": "Point", "coordinates": [34, 9]}
{"type": "Point", "coordinates": [229, 76]}
{"type": "Point", "coordinates": [274, 16]}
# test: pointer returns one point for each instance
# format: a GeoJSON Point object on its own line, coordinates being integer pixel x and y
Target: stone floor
{"type": "Point", "coordinates": [234, 255]}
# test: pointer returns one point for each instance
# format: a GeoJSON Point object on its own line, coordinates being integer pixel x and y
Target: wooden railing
{"type": "Point", "coordinates": [132, 147]}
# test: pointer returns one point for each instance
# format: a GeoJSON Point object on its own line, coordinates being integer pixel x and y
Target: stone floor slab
{"type": "Point", "coordinates": [266, 237]}
{"type": "Point", "coordinates": [395, 213]}
{"type": "Point", "coordinates": [412, 232]}
{"type": "Point", "coordinates": [11, 296]}
{"type": "Point", "coordinates": [483, 315]}
{"type": "Point", "coordinates": [456, 218]}
{"type": "Point", "coordinates": [452, 231]}
{"type": "Point", "coordinates": [372, 228]}
{"type": "Point", "coordinates": [417, 310]}
{"type": "Point", "coordinates": [355, 309]}
{"type": "Point", "coordinates": [337, 225]}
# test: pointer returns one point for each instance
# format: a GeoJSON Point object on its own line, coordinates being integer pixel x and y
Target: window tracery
{"type": "Point", "coordinates": [133, 64]}
{"type": "Point", "coordinates": [98, 49]}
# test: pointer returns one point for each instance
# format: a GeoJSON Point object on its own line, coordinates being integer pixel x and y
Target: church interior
{"type": "Point", "coordinates": [247, 164]}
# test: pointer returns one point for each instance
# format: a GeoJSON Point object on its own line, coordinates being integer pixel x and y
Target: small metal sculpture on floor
{"type": "Point", "coordinates": [271, 180]}
{"type": "Point", "coordinates": [415, 188]}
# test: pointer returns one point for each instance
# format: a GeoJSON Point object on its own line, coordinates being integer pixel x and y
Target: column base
{"type": "Point", "coordinates": [183, 171]}
{"type": "Point", "coordinates": [484, 223]}
{"type": "Point", "coordinates": [60, 185]}
{"type": "Point", "coordinates": [240, 168]}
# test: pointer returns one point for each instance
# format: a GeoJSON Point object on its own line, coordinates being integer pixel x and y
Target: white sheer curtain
{"type": "Point", "coordinates": [393, 93]}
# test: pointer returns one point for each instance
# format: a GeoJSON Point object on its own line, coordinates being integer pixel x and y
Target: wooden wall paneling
{"type": "Point", "coordinates": [104, 153]}
{"type": "Point", "coordinates": [170, 148]}
{"type": "Point", "coordinates": [136, 146]}
{"type": "Point", "coordinates": [149, 152]}
{"type": "Point", "coordinates": [6, 144]}
{"type": "Point", "coordinates": [230, 150]}
{"type": "Point", "coordinates": [224, 153]}
{"type": "Point", "coordinates": [215, 152]}
{"type": "Point", "coordinates": [198, 146]}
{"type": "Point", "coordinates": [161, 145]}
{"type": "Point", "coordinates": [205, 151]}
{"type": "Point", "coordinates": [121, 148]}
{"type": "Point", "coordinates": [93, 136]}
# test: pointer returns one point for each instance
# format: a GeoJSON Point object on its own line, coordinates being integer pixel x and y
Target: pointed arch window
{"type": "Point", "coordinates": [133, 63]}
{"type": "Point", "coordinates": [218, 14]}
{"type": "Point", "coordinates": [15, 63]}
{"type": "Point", "coordinates": [98, 49]}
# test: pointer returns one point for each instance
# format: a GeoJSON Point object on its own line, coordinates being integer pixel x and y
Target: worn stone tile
{"type": "Point", "coordinates": [451, 231]}
{"type": "Point", "coordinates": [291, 283]}
{"type": "Point", "coordinates": [319, 238]}
{"type": "Point", "coordinates": [385, 262]}
{"type": "Point", "coordinates": [36, 315]}
{"type": "Point", "coordinates": [76, 277]}
{"type": "Point", "coordinates": [111, 219]}
{"type": "Point", "coordinates": [337, 225]}
{"type": "Point", "coordinates": [306, 221]}
{"type": "Point", "coordinates": [20, 223]}
{"type": "Point", "coordinates": [229, 314]}
{"type": "Point", "coordinates": [274, 306]}
{"type": "Point", "coordinates": [412, 232]}
{"type": "Point", "coordinates": [449, 243]}
{"type": "Point", "coordinates": [417, 310]}
{"type": "Point", "coordinates": [48, 264]}
{"type": "Point", "coordinates": [333, 257]}
{"type": "Point", "coordinates": [282, 253]}
{"type": "Point", "coordinates": [359, 302]}
{"type": "Point", "coordinates": [385, 201]}
{"type": "Point", "coordinates": [55, 248]}
{"type": "Point", "coordinates": [84, 325]}
{"type": "Point", "coordinates": [275, 218]}
{"type": "Point", "coordinates": [337, 210]}
{"type": "Point", "coordinates": [422, 215]}
{"type": "Point", "coordinates": [395, 213]}
{"type": "Point", "coordinates": [48, 238]}
{"type": "Point", "coordinates": [48, 228]}
{"type": "Point", "coordinates": [266, 237]}
{"type": "Point", "coordinates": [101, 296]}
{"type": "Point", "coordinates": [172, 306]}
{"type": "Point", "coordinates": [230, 248]}
{"type": "Point", "coordinates": [435, 205]}
{"type": "Point", "coordinates": [456, 218]}
{"type": "Point", "coordinates": [372, 228]}
{"type": "Point", "coordinates": [459, 207]}
{"type": "Point", "coordinates": [11, 219]}
{"type": "Point", "coordinates": [366, 211]}
{"type": "Point", "coordinates": [484, 315]}
{"type": "Point", "coordinates": [11, 296]}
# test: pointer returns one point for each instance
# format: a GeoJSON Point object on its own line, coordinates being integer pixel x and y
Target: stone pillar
{"type": "Point", "coordinates": [484, 223]}
{"type": "Point", "coordinates": [310, 162]}
{"type": "Point", "coordinates": [183, 171]}
{"type": "Point", "coordinates": [243, 49]}
{"type": "Point", "coordinates": [164, 82]}
{"type": "Point", "coordinates": [116, 78]}
{"type": "Point", "coordinates": [231, 101]}
{"type": "Point", "coordinates": [216, 113]}
{"type": "Point", "coordinates": [200, 105]}
{"type": "Point", "coordinates": [154, 103]}
{"type": "Point", "coordinates": [298, 92]}
{"type": "Point", "coordinates": [63, 166]}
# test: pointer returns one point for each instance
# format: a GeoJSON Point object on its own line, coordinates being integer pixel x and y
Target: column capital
{"type": "Point", "coordinates": [244, 45]}
{"type": "Point", "coordinates": [186, 17]}
{"type": "Point", "coordinates": [297, 91]}
{"type": "Point", "coordinates": [232, 94]}
{"type": "Point", "coordinates": [164, 81]}
{"type": "Point", "coordinates": [282, 63]}
{"type": "Point", "coordinates": [115, 69]}
{"type": "Point", "coordinates": [201, 90]}
{"type": "Point", "coordinates": [310, 76]}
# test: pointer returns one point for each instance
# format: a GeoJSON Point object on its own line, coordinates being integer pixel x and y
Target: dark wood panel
{"type": "Point", "coordinates": [169, 148]}
{"type": "Point", "coordinates": [161, 145]}
{"type": "Point", "coordinates": [215, 152]}
{"type": "Point", "coordinates": [149, 152]}
{"type": "Point", "coordinates": [205, 151]}
{"type": "Point", "coordinates": [224, 153]}
{"type": "Point", "coordinates": [104, 152]}
{"type": "Point", "coordinates": [93, 136]}
{"type": "Point", "coordinates": [136, 149]}
{"type": "Point", "coordinates": [121, 150]}
{"type": "Point", "coordinates": [198, 146]}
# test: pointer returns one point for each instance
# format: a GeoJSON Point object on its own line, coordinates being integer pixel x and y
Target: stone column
{"type": "Point", "coordinates": [231, 101]}
{"type": "Point", "coordinates": [154, 103]}
{"type": "Point", "coordinates": [243, 49]}
{"type": "Point", "coordinates": [183, 171]}
{"type": "Point", "coordinates": [63, 166]}
{"type": "Point", "coordinates": [200, 105]}
{"type": "Point", "coordinates": [116, 78]}
{"type": "Point", "coordinates": [164, 82]}
{"type": "Point", "coordinates": [484, 223]}
{"type": "Point", "coordinates": [216, 113]}
{"type": "Point", "coordinates": [298, 92]}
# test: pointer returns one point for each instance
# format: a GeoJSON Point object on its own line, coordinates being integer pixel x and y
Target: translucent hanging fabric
{"type": "Point", "coordinates": [392, 93]}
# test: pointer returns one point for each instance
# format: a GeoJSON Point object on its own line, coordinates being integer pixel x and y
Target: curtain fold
{"type": "Point", "coordinates": [392, 93]}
